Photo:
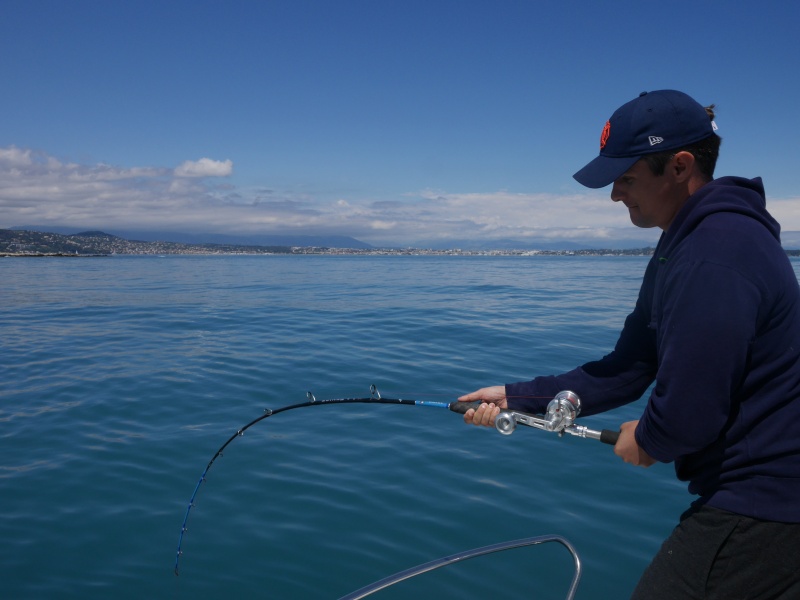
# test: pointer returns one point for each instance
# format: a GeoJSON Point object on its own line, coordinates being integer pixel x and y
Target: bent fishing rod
{"type": "Point", "coordinates": [559, 418]}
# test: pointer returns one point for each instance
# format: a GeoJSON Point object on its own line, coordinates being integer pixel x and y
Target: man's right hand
{"type": "Point", "coordinates": [493, 398]}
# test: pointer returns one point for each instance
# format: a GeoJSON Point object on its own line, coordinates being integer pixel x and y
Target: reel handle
{"type": "Point", "coordinates": [608, 436]}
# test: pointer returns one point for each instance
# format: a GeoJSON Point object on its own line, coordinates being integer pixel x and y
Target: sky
{"type": "Point", "coordinates": [398, 123]}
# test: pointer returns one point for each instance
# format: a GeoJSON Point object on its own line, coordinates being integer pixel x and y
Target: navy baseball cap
{"type": "Point", "coordinates": [653, 122]}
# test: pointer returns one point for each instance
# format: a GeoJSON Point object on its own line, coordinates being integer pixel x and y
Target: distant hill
{"type": "Point", "coordinates": [547, 244]}
{"type": "Point", "coordinates": [790, 240]}
{"type": "Point", "coordinates": [321, 241]}
{"type": "Point", "coordinates": [99, 243]}
{"type": "Point", "coordinates": [93, 234]}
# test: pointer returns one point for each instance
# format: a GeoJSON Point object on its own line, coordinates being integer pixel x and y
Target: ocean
{"type": "Point", "coordinates": [122, 376]}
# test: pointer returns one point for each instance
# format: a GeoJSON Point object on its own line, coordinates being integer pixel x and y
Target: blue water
{"type": "Point", "coordinates": [120, 377]}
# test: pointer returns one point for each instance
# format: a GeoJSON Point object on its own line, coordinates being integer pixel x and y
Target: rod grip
{"type": "Point", "coordinates": [462, 407]}
{"type": "Point", "coordinates": [609, 437]}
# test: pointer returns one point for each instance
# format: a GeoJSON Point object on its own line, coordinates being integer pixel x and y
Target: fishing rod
{"type": "Point", "coordinates": [374, 398]}
{"type": "Point", "coordinates": [559, 418]}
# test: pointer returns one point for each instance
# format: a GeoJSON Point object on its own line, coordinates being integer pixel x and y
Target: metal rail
{"type": "Point", "coordinates": [462, 556]}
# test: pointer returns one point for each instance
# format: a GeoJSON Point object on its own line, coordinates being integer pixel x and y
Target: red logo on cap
{"type": "Point", "coordinates": [605, 134]}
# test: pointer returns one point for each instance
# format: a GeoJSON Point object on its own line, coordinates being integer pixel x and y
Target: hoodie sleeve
{"type": "Point", "coordinates": [704, 335]}
{"type": "Point", "coordinates": [618, 378]}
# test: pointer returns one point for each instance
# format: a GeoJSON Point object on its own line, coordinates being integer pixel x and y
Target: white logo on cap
{"type": "Point", "coordinates": [655, 140]}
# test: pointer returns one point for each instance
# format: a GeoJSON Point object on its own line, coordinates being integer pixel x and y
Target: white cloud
{"type": "Point", "coordinates": [205, 167]}
{"type": "Point", "coordinates": [383, 225]}
{"type": "Point", "coordinates": [786, 211]}
{"type": "Point", "coordinates": [37, 189]}
{"type": "Point", "coordinates": [15, 157]}
{"type": "Point", "coordinates": [503, 215]}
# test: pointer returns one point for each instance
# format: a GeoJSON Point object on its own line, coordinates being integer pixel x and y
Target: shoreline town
{"type": "Point", "coordinates": [21, 243]}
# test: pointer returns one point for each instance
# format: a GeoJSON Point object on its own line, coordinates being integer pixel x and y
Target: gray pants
{"type": "Point", "coordinates": [713, 554]}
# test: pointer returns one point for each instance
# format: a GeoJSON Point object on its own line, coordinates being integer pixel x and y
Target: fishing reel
{"type": "Point", "coordinates": [560, 416]}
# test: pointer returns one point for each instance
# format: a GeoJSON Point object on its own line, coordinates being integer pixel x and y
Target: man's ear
{"type": "Point", "coordinates": [682, 166]}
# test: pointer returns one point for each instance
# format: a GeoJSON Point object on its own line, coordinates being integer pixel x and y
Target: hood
{"type": "Point", "coordinates": [724, 195]}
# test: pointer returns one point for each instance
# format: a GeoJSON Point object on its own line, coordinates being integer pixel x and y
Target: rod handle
{"type": "Point", "coordinates": [462, 407]}
{"type": "Point", "coordinates": [609, 437]}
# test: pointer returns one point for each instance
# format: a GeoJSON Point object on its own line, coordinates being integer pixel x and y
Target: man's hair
{"type": "Point", "coordinates": [705, 153]}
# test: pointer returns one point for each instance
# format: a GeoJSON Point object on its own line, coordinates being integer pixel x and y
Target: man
{"type": "Point", "coordinates": [716, 327]}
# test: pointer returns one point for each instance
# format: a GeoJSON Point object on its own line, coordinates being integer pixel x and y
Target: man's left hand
{"type": "Point", "coordinates": [627, 448]}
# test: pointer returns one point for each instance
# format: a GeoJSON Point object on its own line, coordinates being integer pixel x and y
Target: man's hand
{"type": "Point", "coordinates": [627, 448]}
{"type": "Point", "coordinates": [493, 398]}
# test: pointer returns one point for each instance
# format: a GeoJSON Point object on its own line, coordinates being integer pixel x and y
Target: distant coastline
{"type": "Point", "coordinates": [49, 255]}
{"type": "Point", "coordinates": [36, 244]}
{"type": "Point", "coordinates": [92, 244]}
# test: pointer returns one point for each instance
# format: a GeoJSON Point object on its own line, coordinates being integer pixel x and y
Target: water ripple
{"type": "Point", "coordinates": [122, 377]}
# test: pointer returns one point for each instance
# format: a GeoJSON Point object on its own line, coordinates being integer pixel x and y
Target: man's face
{"type": "Point", "coordinates": [650, 199]}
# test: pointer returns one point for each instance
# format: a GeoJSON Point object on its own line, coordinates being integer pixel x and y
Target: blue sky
{"type": "Point", "coordinates": [395, 122]}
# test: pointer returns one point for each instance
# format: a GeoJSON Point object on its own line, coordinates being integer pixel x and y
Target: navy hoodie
{"type": "Point", "coordinates": [717, 327]}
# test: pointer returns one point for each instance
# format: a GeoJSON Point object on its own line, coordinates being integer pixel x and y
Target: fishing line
{"type": "Point", "coordinates": [560, 417]}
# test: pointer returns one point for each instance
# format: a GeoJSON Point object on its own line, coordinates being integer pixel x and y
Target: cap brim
{"type": "Point", "coordinates": [604, 170]}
